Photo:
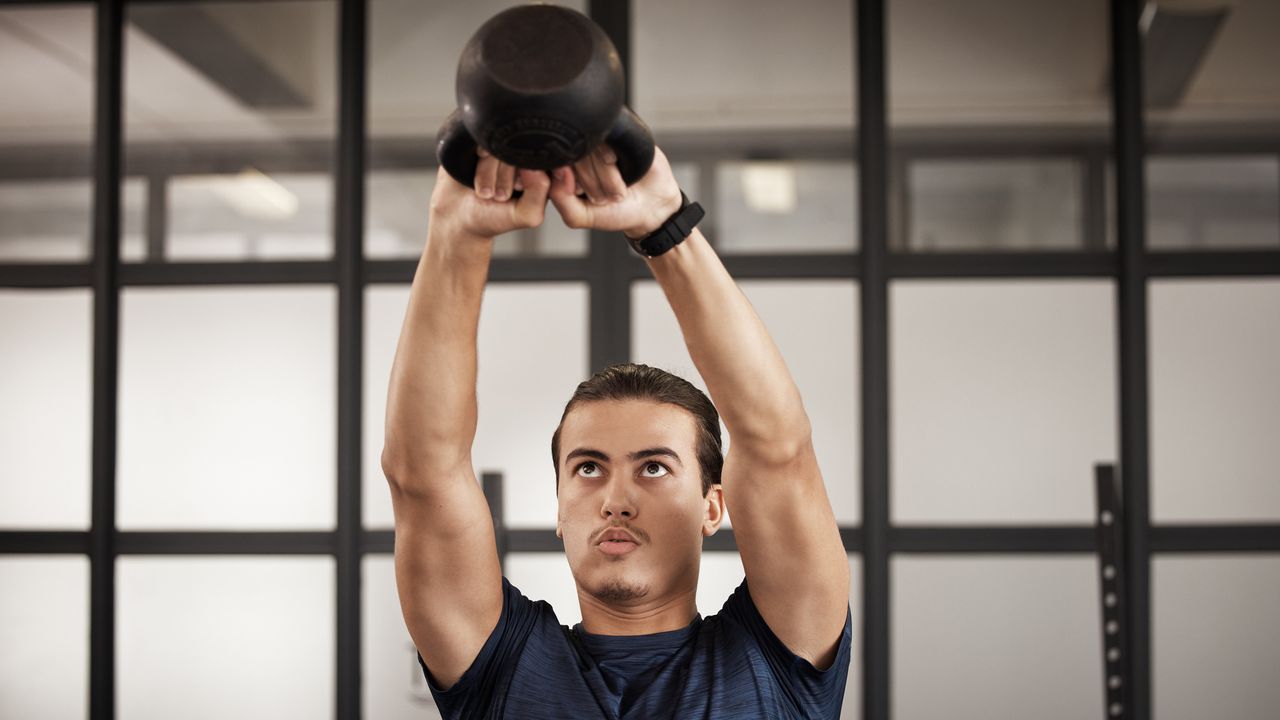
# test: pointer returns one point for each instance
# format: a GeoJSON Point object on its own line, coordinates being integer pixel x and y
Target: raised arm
{"type": "Point", "coordinates": [796, 566]}
{"type": "Point", "coordinates": [447, 571]}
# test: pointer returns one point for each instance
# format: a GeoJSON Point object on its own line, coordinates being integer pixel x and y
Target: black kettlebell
{"type": "Point", "coordinates": [540, 87]}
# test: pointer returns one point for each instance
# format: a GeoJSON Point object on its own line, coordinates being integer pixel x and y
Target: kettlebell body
{"type": "Point", "coordinates": [540, 86]}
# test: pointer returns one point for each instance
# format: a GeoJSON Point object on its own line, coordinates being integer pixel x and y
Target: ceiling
{"type": "Point", "coordinates": [714, 64]}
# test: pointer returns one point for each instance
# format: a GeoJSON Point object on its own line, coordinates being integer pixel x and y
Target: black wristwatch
{"type": "Point", "coordinates": [672, 232]}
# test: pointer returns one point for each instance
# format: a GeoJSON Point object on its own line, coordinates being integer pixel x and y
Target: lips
{"type": "Point", "coordinates": [616, 541]}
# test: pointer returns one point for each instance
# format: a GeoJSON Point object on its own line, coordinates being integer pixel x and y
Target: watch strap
{"type": "Point", "coordinates": [672, 232]}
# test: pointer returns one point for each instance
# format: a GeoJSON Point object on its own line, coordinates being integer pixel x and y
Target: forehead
{"type": "Point", "coordinates": [620, 426]}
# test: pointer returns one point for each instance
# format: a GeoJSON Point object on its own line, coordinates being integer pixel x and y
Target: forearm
{"type": "Point", "coordinates": [744, 371]}
{"type": "Point", "coordinates": [431, 404]}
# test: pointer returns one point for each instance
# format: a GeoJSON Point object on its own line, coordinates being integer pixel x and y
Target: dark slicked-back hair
{"type": "Point", "coordinates": [631, 381]}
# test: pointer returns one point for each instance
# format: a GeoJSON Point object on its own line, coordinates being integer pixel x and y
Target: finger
{"type": "Point", "coordinates": [486, 176]}
{"type": "Point", "coordinates": [604, 162]}
{"type": "Point", "coordinates": [572, 209]}
{"type": "Point", "coordinates": [503, 182]}
{"type": "Point", "coordinates": [532, 205]}
{"type": "Point", "coordinates": [587, 179]}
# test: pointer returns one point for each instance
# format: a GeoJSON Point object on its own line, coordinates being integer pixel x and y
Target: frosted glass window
{"type": "Point", "coordinates": [392, 682]}
{"type": "Point", "coordinates": [996, 637]}
{"type": "Point", "coordinates": [997, 65]}
{"type": "Point", "coordinates": [532, 354]}
{"type": "Point", "coordinates": [227, 408]}
{"type": "Point", "coordinates": [1215, 400]}
{"type": "Point", "coordinates": [1222, 86]}
{"type": "Point", "coordinates": [52, 220]}
{"type": "Point", "coordinates": [786, 206]}
{"type": "Point", "coordinates": [45, 424]}
{"type": "Point", "coordinates": [721, 64]}
{"type": "Point", "coordinates": [235, 104]}
{"type": "Point", "coordinates": [220, 637]}
{"type": "Point", "coordinates": [1002, 399]}
{"type": "Point", "coordinates": [1213, 202]}
{"type": "Point", "coordinates": [995, 205]}
{"type": "Point", "coordinates": [249, 215]}
{"type": "Point", "coordinates": [1215, 639]}
{"type": "Point", "coordinates": [396, 221]}
{"type": "Point", "coordinates": [819, 352]}
{"type": "Point", "coordinates": [44, 630]}
{"type": "Point", "coordinates": [413, 62]}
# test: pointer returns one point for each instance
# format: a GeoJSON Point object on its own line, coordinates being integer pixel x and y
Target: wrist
{"type": "Point", "coordinates": [662, 211]}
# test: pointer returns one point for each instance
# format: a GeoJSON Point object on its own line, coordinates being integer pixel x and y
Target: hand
{"type": "Point", "coordinates": [609, 203]}
{"type": "Point", "coordinates": [489, 210]}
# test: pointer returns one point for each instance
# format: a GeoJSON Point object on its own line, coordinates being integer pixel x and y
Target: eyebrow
{"type": "Point", "coordinates": [647, 452]}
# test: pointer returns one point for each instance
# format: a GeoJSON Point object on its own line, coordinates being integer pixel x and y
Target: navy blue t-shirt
{"type": "Point", "coordinates": [729, 665]}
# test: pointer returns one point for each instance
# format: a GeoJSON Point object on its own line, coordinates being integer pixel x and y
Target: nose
{"type": "Point", "coordinates": [617, 503]}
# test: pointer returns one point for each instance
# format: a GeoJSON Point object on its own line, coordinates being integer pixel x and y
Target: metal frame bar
{"type": "Point", "coordinates": [1131, 308]}
{"type": "Point", "coordinates": [108, 140]}
{"type": "Point", "coordinates": [873, 241]}
{"type": "Point", "coordinates": [349, 200]}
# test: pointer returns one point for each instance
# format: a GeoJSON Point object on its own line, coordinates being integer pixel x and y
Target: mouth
{"type": "Point", "coordinates": [616, 547]}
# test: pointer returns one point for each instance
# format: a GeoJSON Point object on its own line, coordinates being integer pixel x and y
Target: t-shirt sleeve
{"type": "Point", "coordinates": [485, 681]}
{"type": "Point", "coordinates": [817, 693]}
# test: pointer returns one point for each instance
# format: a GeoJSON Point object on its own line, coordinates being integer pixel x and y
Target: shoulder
{"type": "Point", "coordinates": [739, 616]}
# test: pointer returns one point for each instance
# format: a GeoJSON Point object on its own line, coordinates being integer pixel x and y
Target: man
{"type": "Point", "coordinates": [639, 484]}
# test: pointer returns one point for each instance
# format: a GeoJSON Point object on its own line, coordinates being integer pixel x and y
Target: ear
{"type": "Point", "coordinates": [714, 514]}
{"type": "Point", "coordinates": [559, 531]}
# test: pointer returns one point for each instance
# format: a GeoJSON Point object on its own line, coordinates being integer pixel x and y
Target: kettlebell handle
{"type": "Point", "coordinates": [629, 137]}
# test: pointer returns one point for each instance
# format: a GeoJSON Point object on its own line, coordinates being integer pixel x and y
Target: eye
{"type": "Point", "coordinates": [588, 469]}
{"type": "Point", "coordinates": [657, 469]}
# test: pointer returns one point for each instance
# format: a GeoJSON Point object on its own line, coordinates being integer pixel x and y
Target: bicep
{"type": "Point", "coordinates": [447, 572]}
{"type": "Point", "coordinates": [796, 565]}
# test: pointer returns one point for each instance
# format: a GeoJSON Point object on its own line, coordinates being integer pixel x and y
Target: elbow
{"type": "Point", "coordinates": [780, 444]}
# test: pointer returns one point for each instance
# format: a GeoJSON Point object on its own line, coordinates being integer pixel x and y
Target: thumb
{"type": "Point", "coordinates": [532, 204]}
{"type": "Point", "coordinates": [572, 209]}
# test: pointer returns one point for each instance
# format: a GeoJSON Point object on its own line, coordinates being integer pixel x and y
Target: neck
{"type": "Point", "coordinates": [639, 617]}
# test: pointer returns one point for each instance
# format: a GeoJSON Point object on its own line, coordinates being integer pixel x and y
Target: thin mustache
{"type": "Point", "coordinates": [641, 535]}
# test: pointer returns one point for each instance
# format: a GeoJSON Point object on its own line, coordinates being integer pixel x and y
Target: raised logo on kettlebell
{"type": "Point", "coordinates": [538, 143]}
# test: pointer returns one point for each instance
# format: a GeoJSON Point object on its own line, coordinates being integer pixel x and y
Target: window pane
{"type": "Point", "coordinates": [1216, 643]}
{"type": "Point", "coordinates": [249, 216]}
{"type": "Point", "coordinates": [995, 204]}
{"type": "Point", "coordinates": [46, 154]}
{"type": "Point", "coordinates": [231, 105]}
{"type": "Point", "coordinates": [820, 355]}
{"type": "Point", "coordinates": [996, 637]}
{"type": "Point", "coordinates": [1215, 400]}
{"type": "Point", "coordinates": [393, 685]}
{"type": "Point", "coordinates": [786, 206]}
{"type": "Point", "coordinates": [1212, 202]}
{"type": "Point", "coordinates": [44, 630]}
{"type": "Point", "coordinates": [1207, 70]}
{"type": "Point", "coordinates": [396, 221]}
{"type": "Point", "coordinates": [757, 65]}
{"type": "Point", "coordinates": [227, 408]}
{"type": "Point", "coordinates": [51, 220]}
{"type": "Point", "coordinates": [45, 426]}
{"type": "Point", "coordinates": [1003, 399]}
{"type": "Point", "coordinates": [413, 61]}
{"type": "Point", "coordinates": [994, 107]}
{"type": "Point", "coordinates": [532, 354]}
{"type": "Point", "coordinates": [218, 637]}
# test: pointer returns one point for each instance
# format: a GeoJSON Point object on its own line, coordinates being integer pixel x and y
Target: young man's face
{"type": "Point", "coordinates": [632, 513]}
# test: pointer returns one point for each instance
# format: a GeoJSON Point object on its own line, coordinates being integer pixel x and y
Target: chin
{"type": "Point", "coordinates": [619, 590]}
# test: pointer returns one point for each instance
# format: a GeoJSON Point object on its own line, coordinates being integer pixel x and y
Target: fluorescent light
{"type": "Point", "coordinates": [769, 187]}
{"type": "Point", "coordinates": [256, 195]}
